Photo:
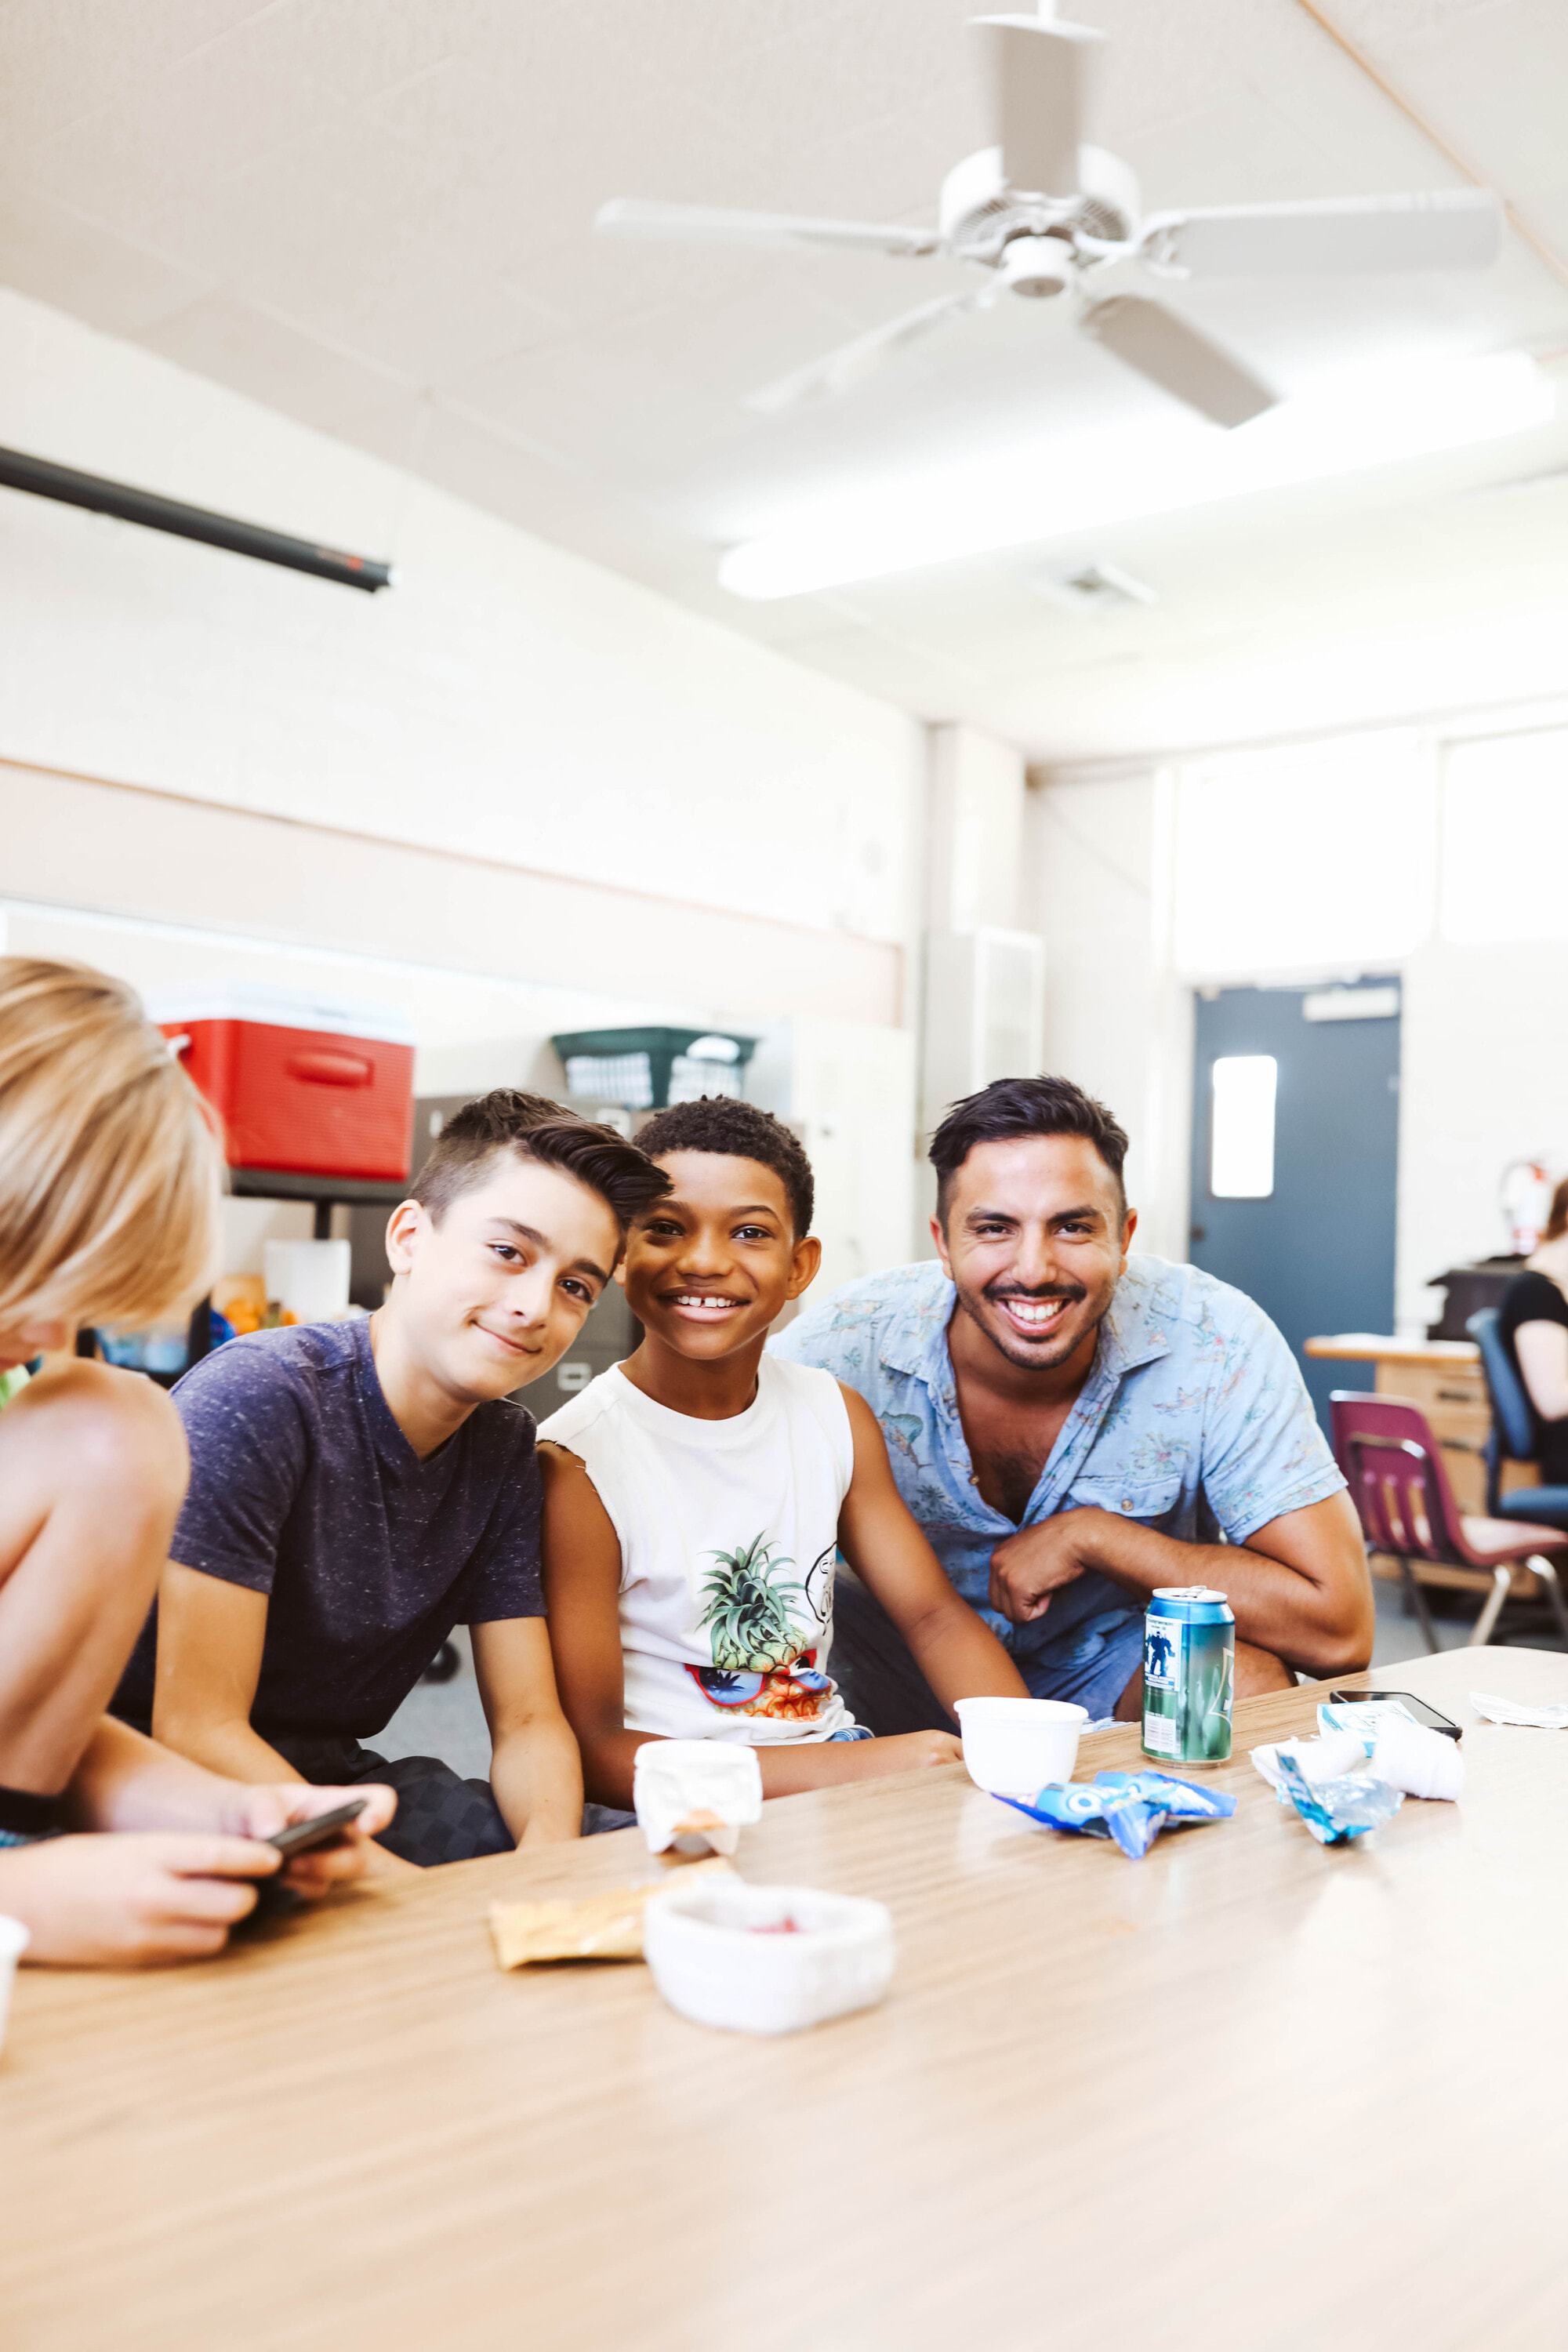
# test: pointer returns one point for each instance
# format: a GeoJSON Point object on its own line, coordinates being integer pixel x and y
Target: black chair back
{"type": "Point", "coordinates": [1512, 1436]}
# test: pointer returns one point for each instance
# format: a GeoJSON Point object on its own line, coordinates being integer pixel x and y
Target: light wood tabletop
{"type": "Point", "coordinates": [1374, 1348]}
{"type": "Point", "coordinates": [1248, 2093]}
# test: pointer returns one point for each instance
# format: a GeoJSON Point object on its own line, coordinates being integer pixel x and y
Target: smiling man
{"type": "Point", "coordinates": [357, 1489]}
{"type": "Point", "coordinates": [1074, 1426]}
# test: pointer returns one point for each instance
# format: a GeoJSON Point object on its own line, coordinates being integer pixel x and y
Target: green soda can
{"type": "Point", "coordinates": [1189, 1675]}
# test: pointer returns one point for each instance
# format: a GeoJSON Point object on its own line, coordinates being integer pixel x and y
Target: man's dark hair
{"type": "Point", "coordinates": [741, 1132]}
{"type": "Point", "coordinates": [536, 1128]}
{"type": "Point", "coordinates": [1011, 1108]}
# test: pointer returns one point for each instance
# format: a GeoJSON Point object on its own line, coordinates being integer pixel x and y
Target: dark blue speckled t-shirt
{"type": "Point", "coordinates": [304, 1487]}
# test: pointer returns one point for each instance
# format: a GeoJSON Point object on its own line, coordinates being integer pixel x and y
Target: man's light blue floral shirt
{"type": "Point", "coordinates": [1194, 1420]}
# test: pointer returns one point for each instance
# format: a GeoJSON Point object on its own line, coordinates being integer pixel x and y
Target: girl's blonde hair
{"type": "Point", "coordinates": [111, 1171]}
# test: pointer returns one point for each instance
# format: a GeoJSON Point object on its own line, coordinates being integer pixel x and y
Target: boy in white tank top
{"type": "Point", "coordinates": [695, 1497]}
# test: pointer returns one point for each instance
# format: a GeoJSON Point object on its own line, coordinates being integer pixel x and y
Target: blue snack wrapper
{"type": "Point", "coordinates": [1337, 1810]}
{"type": "Point", "coordinates": [1131, 1807]}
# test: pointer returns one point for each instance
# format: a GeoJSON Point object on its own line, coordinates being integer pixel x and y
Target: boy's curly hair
{"type": "Point", "coordinates": [739, 1130]}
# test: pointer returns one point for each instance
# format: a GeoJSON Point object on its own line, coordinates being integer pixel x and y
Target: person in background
{"type": "Point", "coordinates": [1074, 1426]}
{"type": "Point", "coordinates": [1532, 1323]}
{"type": "Point", "coordinates": [358, 1488]}
{"type": "Point", "coordinates": [697, 1495]}
{"type": "Point", "coordinates": [108, 1195]}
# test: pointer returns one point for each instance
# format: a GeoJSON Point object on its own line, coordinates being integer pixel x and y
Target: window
{"type": "Point", "coordinates": [1241, 1150]}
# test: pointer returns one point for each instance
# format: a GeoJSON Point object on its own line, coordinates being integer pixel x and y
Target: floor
{"type": "Point", "coordinates": [445, 1719]}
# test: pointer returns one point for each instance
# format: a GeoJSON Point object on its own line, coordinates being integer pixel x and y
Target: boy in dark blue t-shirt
{"type": "Point", "coordinates": [357, 1489]}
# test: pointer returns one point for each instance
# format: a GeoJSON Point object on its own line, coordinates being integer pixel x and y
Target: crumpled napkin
{"type": "Point", "coordinates": [695, 1796]}
{"type": "Point", "coordinates": [1551, 1717]}
{"type": "Point", "coordinates": [1409, 1756]}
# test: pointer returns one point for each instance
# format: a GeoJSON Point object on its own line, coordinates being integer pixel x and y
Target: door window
{"type": "Point", "coordinates": [1241, 1150]}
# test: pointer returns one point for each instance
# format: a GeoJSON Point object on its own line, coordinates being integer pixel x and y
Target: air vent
{"type": "Point", "coordinates": [1093, 588]}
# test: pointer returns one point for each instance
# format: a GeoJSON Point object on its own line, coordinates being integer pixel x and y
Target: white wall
{"type": "Point", "coordinates": [503, 698]}
{"type": "Point", "coordinates": [511, 795]}
{"type": "Point", "coordinates": [1098, 867]}
{"type": "Point", "coordinates": [1482, 1079]}
{"type": "Point", "coordinates": [975, 825]}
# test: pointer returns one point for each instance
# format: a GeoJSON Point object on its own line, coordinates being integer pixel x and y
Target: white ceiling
{"type": "Point", "coordinates": [374, 214]}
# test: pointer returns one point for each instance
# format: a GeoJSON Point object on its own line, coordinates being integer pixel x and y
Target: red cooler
{"type": "Point", "coordinates": [311, 1085]}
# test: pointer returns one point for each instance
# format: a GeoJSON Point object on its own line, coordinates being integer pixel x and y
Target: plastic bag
{"type": "Point", "coordinates": [1337, 1810]}
{"type": "Point", "coordinates": [1131, 1807]}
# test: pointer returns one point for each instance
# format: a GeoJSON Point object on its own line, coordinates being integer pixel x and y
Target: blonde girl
{"type": "Point", "coordinates": [110, 1185]}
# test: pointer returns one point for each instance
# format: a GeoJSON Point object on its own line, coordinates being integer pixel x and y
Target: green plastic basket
{"type": "Point", "coordinates": [646, 1069]}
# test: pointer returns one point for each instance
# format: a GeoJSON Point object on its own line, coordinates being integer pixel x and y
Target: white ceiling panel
{"type": "Point", "coordinates": [375, 215]}
{"type": "Point", "coordinates": [56, 255]}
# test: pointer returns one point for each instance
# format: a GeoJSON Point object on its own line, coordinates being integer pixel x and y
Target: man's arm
{"type": "Point", "coordinates": [583, 1586]}
{"type": "Point", "coordinates": [1299, 1586]}
{"type": "Point", "coordinates": [536, 1772]}
{"type": "Point", "coordinates": [956, 1651]}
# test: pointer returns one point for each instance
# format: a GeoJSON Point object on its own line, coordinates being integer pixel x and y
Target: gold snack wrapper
{"type": "Point", "coordinates": [607, 1925]}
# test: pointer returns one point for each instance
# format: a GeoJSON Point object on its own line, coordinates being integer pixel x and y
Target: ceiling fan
{"type": "Point", "coordinates": [1041, 214]}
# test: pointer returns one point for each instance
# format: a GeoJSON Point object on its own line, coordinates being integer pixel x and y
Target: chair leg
{"type": "Point", "coordinates": [1414, 1592]}
{"type": "Point", "coordinates": [1502, 1578]}
{"type": "Point", "coordinates": [1549, 1577]}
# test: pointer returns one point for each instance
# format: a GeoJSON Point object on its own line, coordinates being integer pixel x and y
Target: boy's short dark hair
{"type": "Point", "coordinates": [1011, 1108]}
{"type": "Point", "coordinates": [740, 1131]}
{"type": "Point", "coordinates": [536, 1128]}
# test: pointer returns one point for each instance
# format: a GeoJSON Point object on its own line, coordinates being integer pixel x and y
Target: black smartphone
{"type": "Point", "coordinates": [321, 1829]}
{"type": "Point", "coordinates": [1407, 1699]}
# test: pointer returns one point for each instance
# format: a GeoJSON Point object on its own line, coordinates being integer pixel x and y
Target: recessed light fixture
{"type": "Point", "coordinates": [1358, 424]}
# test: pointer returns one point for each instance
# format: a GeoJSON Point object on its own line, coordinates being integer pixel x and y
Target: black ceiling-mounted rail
{"type": "Point", "coordinates": [44, 480]}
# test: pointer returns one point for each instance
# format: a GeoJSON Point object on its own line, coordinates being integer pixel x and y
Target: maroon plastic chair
{"type": "Point", "coordinates": [1400, 1487]}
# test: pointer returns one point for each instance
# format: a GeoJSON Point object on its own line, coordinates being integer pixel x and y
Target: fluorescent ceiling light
{"type": "Point", "coordinates": [1116, 475]}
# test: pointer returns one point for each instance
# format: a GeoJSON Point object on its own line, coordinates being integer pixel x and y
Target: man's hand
{"type": "Point", "coordinates": [262, 1812]}
{"type": "Point", "coordinates": [1028, 1568]}
{"type": "Point", "coordinates": [121, 1901]}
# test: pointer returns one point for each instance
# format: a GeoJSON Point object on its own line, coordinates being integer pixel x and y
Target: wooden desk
{"type": "Point", "coordinates": [1247, 2092]}
{"type": "Point", "coordinates": [1442, 1377]}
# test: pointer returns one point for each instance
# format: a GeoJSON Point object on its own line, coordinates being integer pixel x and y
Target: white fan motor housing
{"type": "Point", "coordinates": [1037, 265]}
{"type": "Point", "coordinates": [978, 213]}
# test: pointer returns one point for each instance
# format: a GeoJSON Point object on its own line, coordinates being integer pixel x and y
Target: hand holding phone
{"type": "Point", "coordinates": [321, 1829]}
{"type": "Point", "coordinates": [276, 1896]}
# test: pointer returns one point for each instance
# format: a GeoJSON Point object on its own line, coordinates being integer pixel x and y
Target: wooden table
{"type": "Point", "coordinates": [1248, 2093]}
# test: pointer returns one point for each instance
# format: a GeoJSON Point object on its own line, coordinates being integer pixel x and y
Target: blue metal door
{"type": "Point", "coordinates": [1316, 1248]}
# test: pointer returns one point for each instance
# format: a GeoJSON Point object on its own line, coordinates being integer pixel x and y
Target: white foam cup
{"type": "Point", "coordinates": [14, 1942]}
{"type": "Point", "coordinates": [1012, 1746]}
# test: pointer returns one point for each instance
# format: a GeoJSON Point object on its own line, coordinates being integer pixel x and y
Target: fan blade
{"type": "Point", "coordinates": [1170, 353]}
{"type": "Point", "coordinates": [1037, 71]}
{"type": "Point", "coordinates": [823, 379]}
{"type": "Point", "coordinates": [699, 223]}
{"type": "Point", "coordinates": [1460, 228]}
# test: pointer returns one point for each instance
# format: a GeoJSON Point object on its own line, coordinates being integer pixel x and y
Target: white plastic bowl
{"type": "Point", "coordinates": [1013, 1746]}
{"type": "Point", "coordinates": [14, 1942]}
{"type": "Point", "coordinates": [712, 1959]}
